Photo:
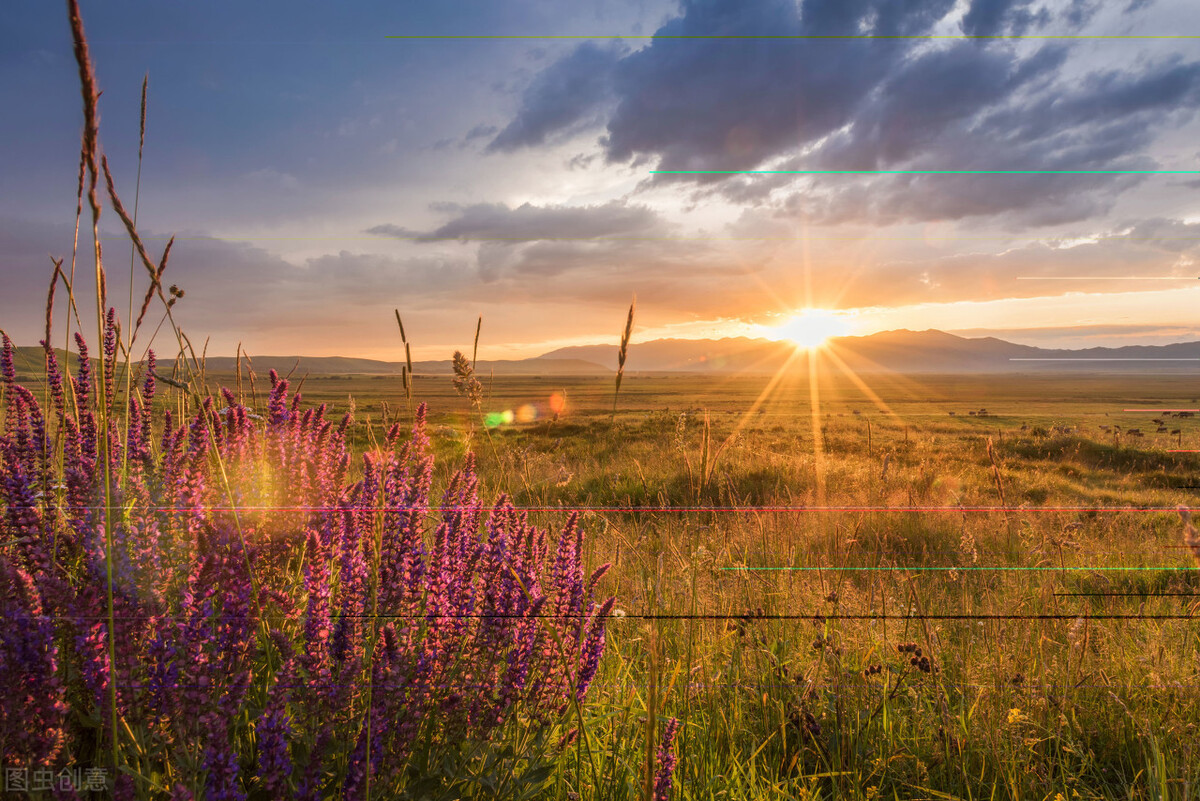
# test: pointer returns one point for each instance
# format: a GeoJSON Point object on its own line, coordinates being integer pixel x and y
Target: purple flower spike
{"type": "Point", "coordinates": [666, 762]}
{"type": "Point", "coordinates": [274, 728]}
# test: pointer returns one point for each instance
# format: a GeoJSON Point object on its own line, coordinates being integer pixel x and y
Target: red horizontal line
{"type": "Point", "coordinates": [1029, 685]}
{"type": "Point", "coordinates": [1160, 410]}
{"type": "Point", "coordinates": [1146, 594]}
{"type": "Point", "coordinates": [809, 616]}
{"type": "Point", "coordinates": [487, 508]}
{"type": "Point", "coordinates": [1026, 684]}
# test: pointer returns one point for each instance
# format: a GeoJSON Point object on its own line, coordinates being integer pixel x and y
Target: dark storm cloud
{"type": "Point", "coordinates": [738, 104]}
{"type": "Point", "coordinates": [497, 221]}
{"type": "Point", "coordinates": [996, 17]}
{"type": "Point", "coordinates": [560, 98]}
{"type": "Point", "coordinates": [937, 91]}
{"type": "Point", "coordinates": [1105, 122]}
{"type": "Point", "coordinates": [727, 104]}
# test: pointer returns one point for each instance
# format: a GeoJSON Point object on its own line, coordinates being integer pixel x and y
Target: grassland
{"type": "Point", "coordinates": [768, 562]}
{"type": "Point", "coordinates": [768, 570]}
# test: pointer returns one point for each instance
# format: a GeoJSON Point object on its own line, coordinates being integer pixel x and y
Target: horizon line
{"type": "Point", "coordinates": [759, 339]}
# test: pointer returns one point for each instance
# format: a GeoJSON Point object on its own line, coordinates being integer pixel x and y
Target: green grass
{"type": "Point", "coordinates": [781, 708]}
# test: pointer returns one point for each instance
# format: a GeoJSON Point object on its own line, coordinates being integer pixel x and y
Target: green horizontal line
{"type": "Point", "coordinates": [799, 36]}
{"type": "Point", "coordinates": [956, 568]}
{"type": "Point", "coordinates": [925, 172]}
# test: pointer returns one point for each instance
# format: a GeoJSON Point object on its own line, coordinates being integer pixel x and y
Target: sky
{"type": "Point", "coordinates": [318, 175]}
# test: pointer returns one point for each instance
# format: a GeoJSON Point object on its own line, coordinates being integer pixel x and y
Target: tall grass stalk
{"type": "Point", "coordinates": [137, 196]}
{"type": "Point", "coordinates": [622, 353]}
{"type": "Point", "coordinates": [1000, 491]}
{"type": "Point", "coordinates": [406, 372]}
{"type": "Point", "coordinates": [90, 147]}
{"type": "Point", "coordinates": [92, 157]}
{"type": "Point", "coordinates": [127, 366]}
{"type": "Point", "coordinates": [475, 347]}
{"type": "Point", "coordinates": [652, 703]}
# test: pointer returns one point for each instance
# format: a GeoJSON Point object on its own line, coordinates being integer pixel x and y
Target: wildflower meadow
{"type": "Point", "coordinates": [460, 585]}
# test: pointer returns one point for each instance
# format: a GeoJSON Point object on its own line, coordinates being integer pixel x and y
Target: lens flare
{"type": "Point", "coordinates": [527, 412]}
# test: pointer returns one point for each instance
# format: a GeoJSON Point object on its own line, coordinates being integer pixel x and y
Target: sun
{"type": "Point", "coordinates": [809, 329]}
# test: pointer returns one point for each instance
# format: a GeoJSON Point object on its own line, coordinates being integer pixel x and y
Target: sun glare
{"type": "Point", "coordinates": [809, 328]}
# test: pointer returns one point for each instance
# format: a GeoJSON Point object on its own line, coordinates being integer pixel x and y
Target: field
{"type": "Point", "coordinates": [934, 587]}
{"type": "Point", "coordinates": [1041, 579]}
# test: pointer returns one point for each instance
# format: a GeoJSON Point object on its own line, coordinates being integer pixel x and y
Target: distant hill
{"type": "Point", "coordinates": [894, 351]}
{"type": "Point", "coordinates": [740, 354]}
{"type": "Point", "coordinates": [341, 365]}
{"type": "Point", "coordinates": [904, 351]}
{"type": "Point", "coordinates": [32, 360]}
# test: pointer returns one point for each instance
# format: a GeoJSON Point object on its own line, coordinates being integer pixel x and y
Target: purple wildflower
{"type": "Point", "coordinates": [666, 762]}
{"type": "Point", "coordinates": [32, 701]}
{"type": "Point", "coordinates": [8, 371]}
{"type": "Point", "coordinates": [593, 649]}
{"type": "Point", "coordinates": [274, 729]}
{"type": "Point", "coordinates": [221, 764]}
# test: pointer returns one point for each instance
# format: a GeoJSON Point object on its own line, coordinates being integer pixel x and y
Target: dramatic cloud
{"type": "Point", "coordinates": [596, 252]}
{"type": "Point", "coordinates": [871, 104]}
{"type": "Point", "coordinates": [527, 222]}
{"type": "Point", "coordinates": [561, 98]}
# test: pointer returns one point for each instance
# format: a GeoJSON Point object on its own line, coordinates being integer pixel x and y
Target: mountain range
{"type": "Point", "coordinates": [901, 351]}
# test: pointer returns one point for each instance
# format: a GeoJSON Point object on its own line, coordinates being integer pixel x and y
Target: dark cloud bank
{"type": "Point", "coordinates": [869, 104]}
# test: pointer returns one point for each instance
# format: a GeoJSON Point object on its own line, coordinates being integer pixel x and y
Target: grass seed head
{"type": "Point", "coordinates": [1190, 536]}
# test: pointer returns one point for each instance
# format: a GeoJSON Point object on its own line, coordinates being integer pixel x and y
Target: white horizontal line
{"type": "Point", "coordinates": [1108, 277]}
{"type": "Point", "coordinates": [1101, 359]}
